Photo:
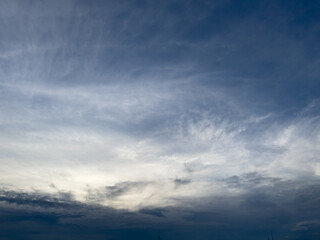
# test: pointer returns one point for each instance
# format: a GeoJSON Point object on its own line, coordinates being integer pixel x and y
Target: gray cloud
{"type": "Point", "coordinates": [251, 179]}
{"type": "Point", "coordinates": [122, 188]}
{"type": "Point", "coordinates": [180, 182]}
{"type": "Point", "coordinates": [60, 200]}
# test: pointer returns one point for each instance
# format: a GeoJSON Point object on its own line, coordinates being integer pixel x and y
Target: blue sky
{"type": "Point", "coordinates": [186, 119]}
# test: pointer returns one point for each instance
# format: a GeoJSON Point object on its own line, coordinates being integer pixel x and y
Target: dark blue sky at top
{"type": "Point", "coordinates": [265, 51]}
{"type": "Point", "coordinates": [222, 93]}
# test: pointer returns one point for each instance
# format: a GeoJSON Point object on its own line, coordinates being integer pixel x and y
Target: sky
{"type": "Point", "coordinates": [133, 119]}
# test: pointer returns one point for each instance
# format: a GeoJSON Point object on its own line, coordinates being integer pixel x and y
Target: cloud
{"type": "Point", "coordinates": [180, 182]}
{"type": "Point", "coordinates": [60, 200]}
{"type": "Point", "coordinates": [252, 179]}
{"type": "Point", "coordinates": [282, 208]}
{"type": "Point", "coordinates": [307, 226]}
{"type": "Point", "coordinates": [170, 111]}
{"type": "Point", "coordinates": [153, 212]}
{"type": "Point", "coordinates": [122, 188]}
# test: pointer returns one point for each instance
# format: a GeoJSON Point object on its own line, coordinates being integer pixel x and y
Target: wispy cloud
{"type": "Point", "coordinates": [160, 108]}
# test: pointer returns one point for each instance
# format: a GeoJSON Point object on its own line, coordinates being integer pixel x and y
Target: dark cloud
{"type": "Point", "coordinates": [180, 182]}
{"type": "Point", "coordinates": [154, 212]}
{"type": "Point", "coordinates": [202, 217]}
{"type": "Point", "coordinates": [288, 209]}
{"type": "Point", "coordinates": [62, 199]}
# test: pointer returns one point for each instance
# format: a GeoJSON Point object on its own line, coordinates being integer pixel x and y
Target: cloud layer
{"type": "Point", "coordinates": [201, 114]}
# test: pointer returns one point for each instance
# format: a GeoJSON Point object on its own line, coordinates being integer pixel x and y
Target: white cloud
{"type": "Point", "coordinates": [84, 138]}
